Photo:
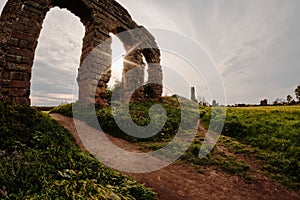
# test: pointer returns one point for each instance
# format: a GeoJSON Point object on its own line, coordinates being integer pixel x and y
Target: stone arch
{"type": "Point", "coordinates": [20, 26]}
{"type": "Point", "coordinates": [139, 44]}
{"type": "Point", "coordinates": [133, 65]}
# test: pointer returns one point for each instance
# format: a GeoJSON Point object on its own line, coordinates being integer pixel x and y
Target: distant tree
{"type": "Point", "coordinates": [264, 102]}
{"type": "Point", "coordinates": [278, 101]}
{"type": "Point", "coordinates": [297, 92]}
{"type": "Point", "coordinates": [202, 101]}
{"type": "Point", "coordinates": [289, 99]}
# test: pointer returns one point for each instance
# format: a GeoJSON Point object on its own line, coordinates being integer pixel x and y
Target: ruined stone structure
{"type": "Point", "coordinates": [193, 95]}
{"type": "Point", "coordinates": [20, 26]}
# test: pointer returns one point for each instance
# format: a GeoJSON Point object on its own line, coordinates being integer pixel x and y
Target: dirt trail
{"type": "Point", "coordinates": [182, 182]}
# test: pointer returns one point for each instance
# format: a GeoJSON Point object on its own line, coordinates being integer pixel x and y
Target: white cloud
{"type": "Point", "coordinates": [2, 4]}
{"type": "Point", "coordinates": [57, 58]}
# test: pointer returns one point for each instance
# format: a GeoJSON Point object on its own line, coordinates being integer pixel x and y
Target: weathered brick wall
{"type": "Point", "coordinates": [20, 26]}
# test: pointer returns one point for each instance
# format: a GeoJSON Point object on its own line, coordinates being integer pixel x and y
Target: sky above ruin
{"type": "Point", "coordinates": [253, 44]}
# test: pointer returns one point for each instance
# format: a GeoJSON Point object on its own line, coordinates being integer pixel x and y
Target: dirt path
{"type": "Point", "coordinates": [182, 182]}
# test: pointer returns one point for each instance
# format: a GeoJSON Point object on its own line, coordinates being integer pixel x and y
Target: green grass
{"type": "Point", "coordinates": [271, 128]}
{"type": "Point", "coordinates": [39, 160]}
{"type": "Point", "coordinates": [65, 109]}
{"type": "Point", "coordinates": [139, 114]}
{"type": "Point", "coordinates": [215, 159]}
{"type": "Point", "coordinates": [271, 134]}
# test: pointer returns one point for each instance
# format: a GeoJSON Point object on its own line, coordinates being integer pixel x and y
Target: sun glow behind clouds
{"type": "Point", "coordinates": [118, 52]}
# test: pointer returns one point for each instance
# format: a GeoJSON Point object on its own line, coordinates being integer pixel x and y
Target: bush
{"type": "Point", "coordinates": [65, 109]}
{"type": "Point", "coordinates": [139, 114]}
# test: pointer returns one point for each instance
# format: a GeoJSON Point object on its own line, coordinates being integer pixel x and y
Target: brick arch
{"type": "Point", "coordinates": [133, 63]}
{"type": "Point", "coordinates": [139, 43]}
{"type": "Point", "coordinates": [20, 26]}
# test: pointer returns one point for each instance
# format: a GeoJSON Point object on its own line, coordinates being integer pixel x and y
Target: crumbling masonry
{"type": "Point", "coordinates": [20, 26]}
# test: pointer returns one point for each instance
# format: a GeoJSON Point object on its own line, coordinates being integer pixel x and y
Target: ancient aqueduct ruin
{"type": "Point", "coordinates": [20, 26]}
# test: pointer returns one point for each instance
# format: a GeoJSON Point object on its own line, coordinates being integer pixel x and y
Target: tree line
{"type": "Point", "coordinates": [289, 99]}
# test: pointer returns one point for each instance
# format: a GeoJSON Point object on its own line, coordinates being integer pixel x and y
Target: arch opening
{"type": "Point", "coordinates": [142, 74]}
{"type": "Point", "coordinates": [118, 52]}
{"type": "Point", "coordinates": [57, 59]}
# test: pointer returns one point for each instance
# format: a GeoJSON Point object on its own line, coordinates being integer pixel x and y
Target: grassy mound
{"type": "Point", "coordinates": [139, 114]}
{"type": "Point", "coordinates": [40, 161]}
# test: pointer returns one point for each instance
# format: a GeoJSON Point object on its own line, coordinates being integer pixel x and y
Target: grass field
{"type": "Point", "coordinates": [273, 134]}
{"type": "Point", "coordinates": [39, 160]}
{"type": "Point", "coordinates": [269, 135]}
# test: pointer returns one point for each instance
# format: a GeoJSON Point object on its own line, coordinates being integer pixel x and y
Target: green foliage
{"type": "Point", "coordinates": [289, 99]}
{"type": "Point", "coordinates": [40, 161]}
{"type": "Point", "coordinates": [116, 90]}
{"type": "Point", "coordinates": [217, 159]}
{"type": "Point", "coordinates": [272, 130]}
{"type": "Point", "coordinates": [297, 92]}
{"type": "Point", "coordinates": [264, 102]}
{"type": "Point", "coordinates": [65, 109]}
{"type": "Point", "coordinates": [139, 114]}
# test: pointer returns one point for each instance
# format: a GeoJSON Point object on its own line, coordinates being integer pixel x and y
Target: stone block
{"type": "Point", "coordinates": [4, 91]}
{"type": "Point", "coordinates": [14, 58]}
{"type": "Point", "coordinates": [19, 84]}
{"type": "Point", "coordinates": [27, 60]}
{"type": "Point", "coordinates": [19, 67]}
{"type": "Point", "coordinates": [20, 52]}
{"type": "Point", "coordinates": [21, 35]}
{"type": "Point", "coordinates": [25, 44]}
{"type": "Point", "coordinates": [32, 9]}
{"type": "Point", "coordinates": [13, 92]}
{"type": "Point", "coordinates": [6, 83]}
{"type": "Point", "coordinates": [21, 100]}
{"type": "Point", "coordinates": [16, 76]}
{"type": "Point", "coordinates": [13, 42]}
{"type": "Point", "coordinates": [24, 92]}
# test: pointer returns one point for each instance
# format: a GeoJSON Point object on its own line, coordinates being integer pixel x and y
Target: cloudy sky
{"type": "Point", "coordinates": [253, 44]}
